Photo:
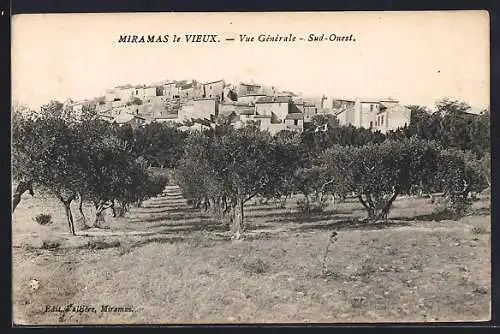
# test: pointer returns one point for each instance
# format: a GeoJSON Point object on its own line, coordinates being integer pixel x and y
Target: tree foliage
{"type": "Point", "coordinates": [378, 173]}
{"type": "Point", "coordinates": [77, 155]}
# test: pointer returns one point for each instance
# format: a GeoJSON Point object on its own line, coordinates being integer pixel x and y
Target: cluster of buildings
{"type": "Point", "coordinates": [193, 105]}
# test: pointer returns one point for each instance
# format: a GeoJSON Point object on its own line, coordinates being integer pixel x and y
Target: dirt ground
{"type": "Point", "coordinates": [165, 263]}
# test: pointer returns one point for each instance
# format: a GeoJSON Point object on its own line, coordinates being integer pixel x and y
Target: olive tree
{"type": "Point", "coordinates": [378, 173]}
{"type": "Point", "coordinates": [230, 166]}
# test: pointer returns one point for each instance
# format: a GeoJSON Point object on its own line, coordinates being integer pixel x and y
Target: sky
{"type": "Point", "coordinates": [416, 57]}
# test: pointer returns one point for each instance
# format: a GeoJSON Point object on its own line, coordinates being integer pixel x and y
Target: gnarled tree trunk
{"type": "Point", "coordinates": [375, 211]}
{"type": "Point", "coordinates": [100, 207]}
{"type": "Point", "coordinates": [237, 227]}
{"type": "Point", "coordinates": [21, 188]}
{"type": "Point", "coordinates": [80, 209]}
{"type": "Point", "coordinates": [66, 198]}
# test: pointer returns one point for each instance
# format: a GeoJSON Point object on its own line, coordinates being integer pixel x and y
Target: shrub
{"type": "Point", "coordinates": [49, 244]}
{"type": "Point", "coordinates": [43, 219]}
{"type": "Point", "coordinates": [312, 205]}
{"type": "Point", "coordinates": [255, 265]}
{"type": "Point", "coordinates": [478, 230]}
{"type": "Point", "coordinates": [102, 244]}
{"type": "Point", "coordinates": [452, 208]}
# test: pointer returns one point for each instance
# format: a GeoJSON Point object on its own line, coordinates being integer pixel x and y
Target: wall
{"type": "Point", "coordinates": [186, 111]}
{"type": "Point", "coordinates": [269, 91]}
{"type": "Point", "coordinates": [280, 109]}
{"type": "Point", "coordinates": [399, 118]}
{"type": "Point", "coordinates": [248, 89]}
{"type": "Point", "coordinates": [310, 110]}
{"type": "Point", "coordinates": [110, 95]}
{"type": "Point", "coordinates": [203, 108]}
{"type": "Point", "coordinates": [169, 90]}
{"type": "Point", "coordinates": [369, 112]}
{"type": "Point", "coordinates": [213, 89]}
{"type": "Point", "coordinates": [226, 107]}
{"type": "Point", "coordinates": [249, 98]}
{"type": "Point", "coordinates": [124, 94]}
{"type": "Point", "coordinates": [344, 111]}
{"type": "Point", "coordinates": [272, 128]}
{"type": "Point", "coordinates": [149, 92]}
{"type": "Point", "coordinates": [117, 104]}
{"type": "Point", "coordinates": [300, 123]}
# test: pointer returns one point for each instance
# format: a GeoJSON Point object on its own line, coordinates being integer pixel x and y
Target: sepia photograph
{"type": "Point", "coordinates": [251, 168]}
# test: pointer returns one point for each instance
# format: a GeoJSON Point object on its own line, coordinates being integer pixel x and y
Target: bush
{"type": "Point", "coordinates": [48, 244]}
{"type": "Point", "coordinates": [478, 230]}
{"type": "Point", "coordinates": [313, 204]}
{"type": "Point", "coordinates": [43, 219]}
{"type": "Point", "coordinates": [102, 244]}
{"type": "Point", "coordinates": [452, 208]}
{"type": "Point", "coordinates": [255, 265]}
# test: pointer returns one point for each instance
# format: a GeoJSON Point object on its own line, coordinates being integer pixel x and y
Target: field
{"type": "Point", "coordinates": [172, 264]}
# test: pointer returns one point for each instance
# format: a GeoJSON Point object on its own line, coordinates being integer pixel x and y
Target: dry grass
{"type": "Point", "coordinates": [177, 266]}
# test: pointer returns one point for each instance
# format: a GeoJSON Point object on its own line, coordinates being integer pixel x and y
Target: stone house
{"type": "Point", "coordinates": [199, 108]}
{"type": "Point", "coordinates": [191, 91]}
{"type": "Point", "coordinates": [368, 113]}
{"type": "Point", "coordinates": [213, 89]}
{"type": "Point", "coordinates": [122, 93]}
{"type": "Point", "coordinates": [392, 116]}
{"type": "Point", "coordinates": [134, 120]}
{"type": "Point", "coordinates": [275, 107]}
{"type": "Point", "coordinates": [170, 90]}
{"type": "Point", "coordinates": [294, 121]}
{"type": "Point", "coordinates": [244, 89]}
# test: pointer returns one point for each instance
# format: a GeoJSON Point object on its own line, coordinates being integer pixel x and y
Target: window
{"type": "Point", "coordinates": [371, 125]}
{"type": "Point", "coordinates": [371, 107]}
{"type": "Point", "coordinates": [382, 120]}
{"type": "Point", "coordinates": [136, 92]}
{"type": "Point", "coordinates": [295, 122]}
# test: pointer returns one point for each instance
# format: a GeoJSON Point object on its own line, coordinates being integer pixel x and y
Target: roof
{"type": "Point", "coordinates": [313, 99]}
{"type": "Point", "coordinates": [242, 104]}
{"type": "Point", "coordinates": [226, 113]}
{"type": "Point", "coordinates": [167, 116]}
{"type": "Point", "coordinates": [247, 111]}
{"type": "Point", "coordinates": [388, 99]}
{"type": "Point", "coordinates": [188, 86]}
{"type": "Point", "coordinates": [375, 99]}
{"type": "Point", "coordinates": [297, 115]}
{"type": "Point", "coordinates": [211, 82]}
{"type": "Point", "coordinates": [286, 93]}
{"type": "Point", "coordinates": [254, 94]}
{"type": "Point", "coordinates": [205, 99]}
{"type": "Point", "coordinates": [273, 99]}
{"type": "Point", "coordinates": [393, 108]}
{"type": "Point", "coordinates": [106, 116]}
{"type": "Point", "coordinates": [252, 85]}
{"type": "Point", "coordinates": [343, 99]}
{"type": "Point", "coordinates": [124, 118]}
{"type": "Point", "coordinates": [262, 116]}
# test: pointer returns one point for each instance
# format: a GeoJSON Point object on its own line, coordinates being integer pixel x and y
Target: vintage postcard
{"type": "Point", "coordinates": [273, 167]}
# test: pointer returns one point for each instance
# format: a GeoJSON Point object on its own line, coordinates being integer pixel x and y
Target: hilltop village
{"type": "Point", "coordinates": [195, 105]}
